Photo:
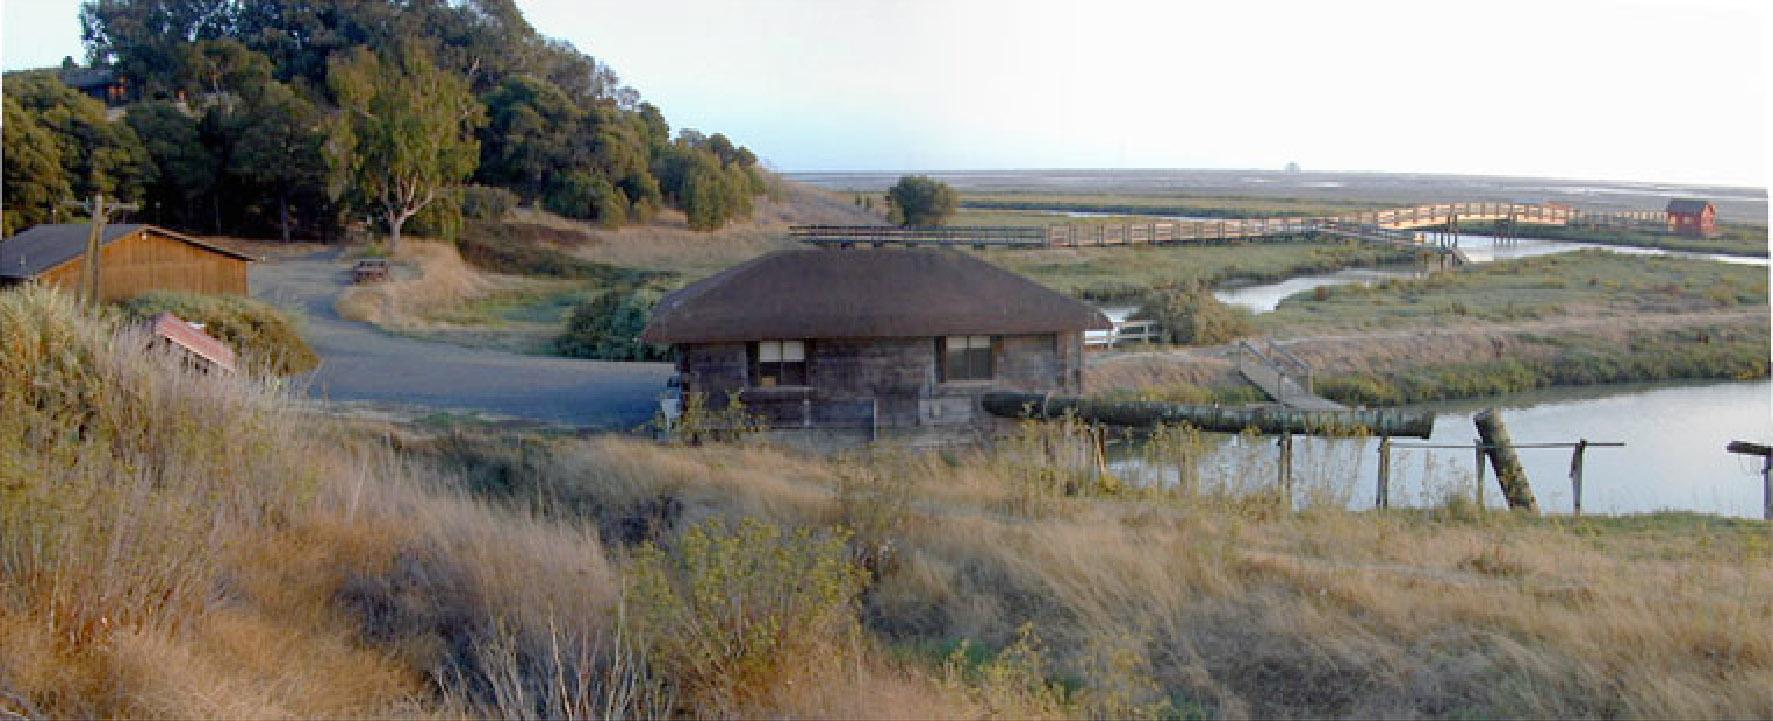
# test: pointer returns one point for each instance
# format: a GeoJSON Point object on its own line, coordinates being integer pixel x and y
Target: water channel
{"type": "Point", "coordinates": [1674, 457]}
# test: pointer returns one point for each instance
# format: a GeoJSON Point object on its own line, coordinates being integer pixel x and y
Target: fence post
{"type": "Point", "coordinates": [1576, 477]}
{"type": "Point", "coordinates": [1286, 468]}
{"type": "Point", "coordinates": [1477, 445]}
{"type": "Point", "coordinates": [1382, 498]}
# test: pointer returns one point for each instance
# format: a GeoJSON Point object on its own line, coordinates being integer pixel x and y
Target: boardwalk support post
{"type": "Point", "coordinates": [1510, 475]}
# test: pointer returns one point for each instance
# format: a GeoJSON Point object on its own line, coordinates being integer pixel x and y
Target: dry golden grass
{"type": "Point", "coordinates": [667, 243]}
{"type": "Point", "coordinates": [442, 282]}
{"type": "Point", "coordinates": [179, 545]}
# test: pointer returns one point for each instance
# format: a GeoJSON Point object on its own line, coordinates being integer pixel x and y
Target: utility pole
{"type": "Point", "coordinates": [99, 212]}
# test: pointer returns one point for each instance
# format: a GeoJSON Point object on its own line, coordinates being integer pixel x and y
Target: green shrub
{"type": "Point", "coordinates": [609, 326]}
{"type": "Point", "coordinates": [1192, 316]}
{"type": "Point", "coordinates": [728, 613]}
{"type": "Point", "coordinates": [258, 333]}
{"type": "Point", "coordinates": [485, 202]}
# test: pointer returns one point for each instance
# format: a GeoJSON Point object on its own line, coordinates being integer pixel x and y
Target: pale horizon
{"type": "Point", "coordinates": [1546, 90]}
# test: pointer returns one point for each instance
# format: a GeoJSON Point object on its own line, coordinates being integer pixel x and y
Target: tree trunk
{"type": "Point", "coordinates": [1509, 473]}
{"type": "Point", "coordinates": [283, 214]}
{"type": "Point", "coordinates": [395, 220]}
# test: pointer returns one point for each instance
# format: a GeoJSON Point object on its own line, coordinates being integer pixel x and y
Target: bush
{"type": "Point", "coordinates": [731, 613]}
{"type": "Point", "coordinates": [1192, 316]}
{"type": "Point", "coordinates": [609, 326]}
{"type": "Point", "coordinates": [485, 202]}
{"type": "Point", "coordinates": [263, 337]}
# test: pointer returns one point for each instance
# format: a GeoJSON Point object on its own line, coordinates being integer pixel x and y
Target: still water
{"type": "Point", "coordinates": [1264, 298]}
{"type": "Point", "coordinates": [1674, 457]}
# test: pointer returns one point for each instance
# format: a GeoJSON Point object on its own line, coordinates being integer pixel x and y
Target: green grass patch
{"type": "Point", "coordinates": [1587, 281]}
{"type": "Point", "coordinates": [1738, 353]}
{"type": "Point", "coordinates": [1128, 272]}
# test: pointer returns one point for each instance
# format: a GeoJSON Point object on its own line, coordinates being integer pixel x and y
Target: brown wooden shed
{"type": "Point", "coordinates": [1692, 217]}
{"type": "Point", "coordinates": [133, 259]}
{"type": "Point", "coordinates": [881, 338]}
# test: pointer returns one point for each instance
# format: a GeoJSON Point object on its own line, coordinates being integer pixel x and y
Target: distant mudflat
{"type": "Point", "coordinates": [1734, 203]}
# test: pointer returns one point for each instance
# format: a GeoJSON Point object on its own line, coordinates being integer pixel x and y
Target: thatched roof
{"type": "Point", "coordinates": [46, 246]}
{"type": "Point", "coordinates": [1687, 206]}
{"type": "Point", "coordinates": [879, 293]}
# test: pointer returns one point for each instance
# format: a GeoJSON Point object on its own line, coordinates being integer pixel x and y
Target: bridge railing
{"type": "Point", "coordinates": [1394, 225]}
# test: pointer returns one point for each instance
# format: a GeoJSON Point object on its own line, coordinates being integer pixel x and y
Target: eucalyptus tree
{"type": "Point", "coordinates": [403, 135]}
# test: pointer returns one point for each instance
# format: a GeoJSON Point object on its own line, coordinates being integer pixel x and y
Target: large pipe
{"type": "Point", "coordinates": [1216, 419]}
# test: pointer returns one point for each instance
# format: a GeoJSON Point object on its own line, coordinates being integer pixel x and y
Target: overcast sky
{"type": "Point", "coordinates": [1606, 89]}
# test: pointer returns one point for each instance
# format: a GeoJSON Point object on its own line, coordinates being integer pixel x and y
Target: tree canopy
{"type": "Point", "coordinates": [921, 200]}
{"type": "Point", "coordinates": [404, 133]}
{"type": "Point", "coordinates": [241, 114]}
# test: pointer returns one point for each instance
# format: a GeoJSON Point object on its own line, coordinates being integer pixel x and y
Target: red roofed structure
{"type": "Point", "coordinates": [202, 349]}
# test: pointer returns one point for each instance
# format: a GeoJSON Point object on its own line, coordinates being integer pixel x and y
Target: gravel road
{"type": "Point", "coordinates": [363, 365]}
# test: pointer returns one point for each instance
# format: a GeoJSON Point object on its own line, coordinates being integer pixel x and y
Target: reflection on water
{"type": "Point", "coordinates": [1674, 457]}
{"type": "Point", "coordinates": [1266, 297]}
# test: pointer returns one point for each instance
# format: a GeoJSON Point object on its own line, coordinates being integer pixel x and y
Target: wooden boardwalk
{"type": "Point", "coordinates": [1282, 377]}
{"type": "Point", "coordinates": [1397, 226]}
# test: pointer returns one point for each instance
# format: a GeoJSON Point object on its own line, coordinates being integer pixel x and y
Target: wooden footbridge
{"type": "Point", "coordinates": [1397, 226]}
{"type": "Point", "coordinates": [1281, 376]}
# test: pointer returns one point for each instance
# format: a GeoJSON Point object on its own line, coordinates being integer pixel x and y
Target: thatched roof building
{"type": "Point", "coordinates": [893, 337]}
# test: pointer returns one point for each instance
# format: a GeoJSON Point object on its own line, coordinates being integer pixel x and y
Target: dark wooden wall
{"type": "Point", "coordinates": [143, 261]}
{"type": "Point", "coordinates": [898, 374]}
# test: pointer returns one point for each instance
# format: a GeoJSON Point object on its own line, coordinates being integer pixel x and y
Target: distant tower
{"type": "Point", "coordinates": [1292, 167]}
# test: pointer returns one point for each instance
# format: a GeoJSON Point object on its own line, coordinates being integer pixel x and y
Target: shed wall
{"type": "Point", "coordinates": [143, 262]}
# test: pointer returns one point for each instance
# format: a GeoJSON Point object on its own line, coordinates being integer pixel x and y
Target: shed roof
{"type": "Point", "coordinates": [880, 293]}
{"type": "Point", "coordinates": [1686, 206]}
{"type": "Point", "coordinates": [191, 338]}
{"type": "Point", "coordinates": [46, 246]}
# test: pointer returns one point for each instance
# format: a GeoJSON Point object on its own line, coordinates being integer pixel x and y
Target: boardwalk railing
{"type": "Point", "coordinates": [1395, 226]}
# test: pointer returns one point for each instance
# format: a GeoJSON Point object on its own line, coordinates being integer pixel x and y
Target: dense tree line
{"type": "Point", "coordinates": [293, 117]}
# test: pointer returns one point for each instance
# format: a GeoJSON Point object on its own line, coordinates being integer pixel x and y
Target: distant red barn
{"type": "Point", "coordinates": [1692, 217]}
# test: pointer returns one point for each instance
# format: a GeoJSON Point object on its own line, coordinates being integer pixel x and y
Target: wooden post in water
{"type": "Point", "coordinates": [1766, 454]}
{"type": "Point", "coordinates": [1576, 477]}
{"type": "Point", "coordinates": [1509, 473]}
{"type": "Point", "coordinates": [1382, 497]}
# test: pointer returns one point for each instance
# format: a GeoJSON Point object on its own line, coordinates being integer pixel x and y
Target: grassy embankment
{"type": "Point", "coordinates": [1584, 318]}
{"type": "Point", "coordinates": [511, 284]}
{"type": "Point", "coordinates": [189, 546]}
{"type": "Point", "coordinates": [1733, 238]}
{"type": "Point", "coordinates": [1128, 272]}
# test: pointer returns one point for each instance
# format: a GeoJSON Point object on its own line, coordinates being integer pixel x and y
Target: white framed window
{"type": "Point", "coordinates": [778, 363]}
{"type": "Point", "coordinates": [965, 357]}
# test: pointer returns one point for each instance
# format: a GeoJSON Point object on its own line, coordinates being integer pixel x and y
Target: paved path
{"type": "Point", "coordinates": [360, 363]}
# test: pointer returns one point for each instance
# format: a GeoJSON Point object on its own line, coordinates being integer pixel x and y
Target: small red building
{"type": "Point", "coordinates": [1691, 217]}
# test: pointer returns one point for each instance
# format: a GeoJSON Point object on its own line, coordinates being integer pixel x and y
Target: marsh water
{"type": "Point", "coordinates": [1674, 456]}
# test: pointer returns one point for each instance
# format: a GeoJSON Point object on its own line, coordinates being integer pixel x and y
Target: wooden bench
{"type": "Point", "coordinates": [370, 270]}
